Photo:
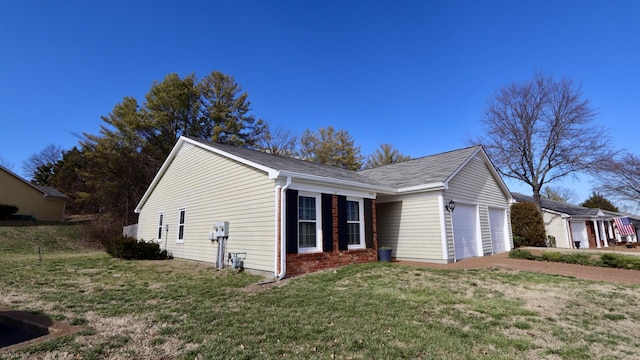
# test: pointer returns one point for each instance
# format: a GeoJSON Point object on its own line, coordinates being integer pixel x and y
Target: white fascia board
{"type": "Point", "coordinates": [423, 187]}
{"type": "Point", "coordinates": [332, 181]}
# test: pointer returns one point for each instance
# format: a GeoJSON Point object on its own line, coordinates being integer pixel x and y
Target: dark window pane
{"type": "Point", "coordinates": [353, 211]}
{"type": "Point", "coordinates": [353, 234]}
{"type": "Point", "coordinates": [306, 208]}
{"type": "Point", "coordinates": [306, 234]}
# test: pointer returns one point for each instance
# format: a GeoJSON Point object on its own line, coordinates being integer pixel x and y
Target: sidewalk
{"type": "Point", "coordinates": [503, 261]}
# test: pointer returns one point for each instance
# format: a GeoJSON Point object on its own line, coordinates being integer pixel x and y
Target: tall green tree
{"type": "Point", "coordinates": [542, 130]}
{"type": "Point", "coordinates": [118, 167]}
{"type": "Point", "coordinates": [330, 147]}
{"type": "Point", "coordinates": [385, 154]}
{"type": "Point", "coordinates": [598, 201]}
{"type": "Point", "coordinates": [225, 107]}
{"type": "Point", "coordinates": [67, 177]}
{"type": "Point", "coordinates": [172, 109]}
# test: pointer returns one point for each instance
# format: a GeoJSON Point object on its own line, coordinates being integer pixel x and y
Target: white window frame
{"type": "Point", "coordinates": [160, 225]}
{"type": "Point", "coordinates": [318, 222]}
{"type": "Point", "coordinates": [362, 243]}
{"type": "Point", "coordinates": [180, 240]}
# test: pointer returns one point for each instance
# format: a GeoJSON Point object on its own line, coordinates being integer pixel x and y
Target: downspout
{"type": "Point", "coordinates": [283, 237]}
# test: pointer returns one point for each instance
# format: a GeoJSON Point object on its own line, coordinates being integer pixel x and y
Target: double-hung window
{"type": "Point", "coordinates": [309, 226]}
{"type": "Point", "coordinates": [355, 223]}
{"type": "Point", "coordinates": [181, 216]}
{"type": "Point", "coordinates": [160, 222]}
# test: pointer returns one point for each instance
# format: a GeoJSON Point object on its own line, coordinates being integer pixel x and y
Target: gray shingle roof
{"type": "Point", "coordinates": [283, 163]}
{"type": "Point", "coordinates": [425, 170]}
{"type": "Point", "coordinates": [558, 206]}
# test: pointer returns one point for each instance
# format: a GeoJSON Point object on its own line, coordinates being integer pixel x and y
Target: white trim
{"type": "Point", "coordinates": [362, 244]}
{"type": "Point", "coordinates": [318, 222]}
{"type": "Point", "coordinates": [332, 181]}
{"type": "Point", "coordinates": [443, 228]}
{"type": "Point", "coordinates": [183, 224]}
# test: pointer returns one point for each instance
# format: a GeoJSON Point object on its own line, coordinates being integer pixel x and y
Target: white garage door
{"type": "Point", "coordinates": [464, 231]}
{"type": "Point", "coordinates": [498, 238]}
{"type": "Point", "coordinates": [579, 232]}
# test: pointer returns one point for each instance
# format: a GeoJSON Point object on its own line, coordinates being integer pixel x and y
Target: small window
{"type": "Point", "coordinates": [181, 225]}
{"type": "Point", "coordinates": [160, 223]}
{"type": "Point", "coordinates": [309, 226]}
{"type": "Point", "coordinates": [355, 225]}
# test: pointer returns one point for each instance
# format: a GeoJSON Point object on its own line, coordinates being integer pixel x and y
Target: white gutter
{"type": "Point", "coordinates": [283, 237]}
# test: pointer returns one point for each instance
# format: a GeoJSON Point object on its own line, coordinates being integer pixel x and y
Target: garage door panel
{"type": "Point", "coordinates": [464, 231]}
{"type": "Point", "coordinates": [498, 234]}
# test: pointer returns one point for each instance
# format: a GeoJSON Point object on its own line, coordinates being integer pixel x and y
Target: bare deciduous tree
{"type": "Point", "coordinates": [561, 194]}
{"type": "Point", "coordinates": [542, 130]}
{"type": "Point", "coordinates": [278, 141]}
{"type": "Point", "coordinates": [620, 180]}
{"type": "Point", "coordinates": [40, 166]}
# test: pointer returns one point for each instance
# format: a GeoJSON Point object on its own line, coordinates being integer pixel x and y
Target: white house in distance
{"type": "Point", "coordinates": [588, 227]}
{"type": "Point", "coordinates": [288, 216]}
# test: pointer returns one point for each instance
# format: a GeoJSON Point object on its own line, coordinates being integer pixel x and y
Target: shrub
{"type": "Point", "coordinates": [579, 259]}
{"type": "Point", "coordinates": [551, 256]}
{"type": "Point", "coordinates": [124, 247]}
{"type": "Point", "coordinates": [620, 261]}
{"type": "Point", "coordinates": [517, 241]}
{"type": "Point", "coordinates": [527, 223]}
{"type": "Point", "coordinates": [521, 254]}
{"type": "Point", "coordinates": [7, 210]}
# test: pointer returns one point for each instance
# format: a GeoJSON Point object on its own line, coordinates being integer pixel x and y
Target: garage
{"type": "Point", "coordinates": [465, 236]}
{"type": "Point", "coordinates": [498, 232]}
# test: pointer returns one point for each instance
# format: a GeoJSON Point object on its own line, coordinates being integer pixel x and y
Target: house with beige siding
{"type": "Point", "coordinates": [33, 201]}
{"type": "Point", "coordinates": [287, 216]}
{"type": "Point", "coordinates": [574, 226]}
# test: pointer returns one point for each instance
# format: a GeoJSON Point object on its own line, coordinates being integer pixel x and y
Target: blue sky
{"type": "Point", "coordinates": [416, 74]}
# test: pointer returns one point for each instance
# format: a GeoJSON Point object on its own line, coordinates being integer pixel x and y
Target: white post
{"type": "Point", "coordinates": [597, 232]}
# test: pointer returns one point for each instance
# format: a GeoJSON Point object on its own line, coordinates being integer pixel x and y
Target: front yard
{"type": "Point", "coordinates": [180, 309]}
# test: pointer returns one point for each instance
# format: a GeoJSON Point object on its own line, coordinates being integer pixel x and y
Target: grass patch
{"type": "Point", "coordinates": [618, 261]}
{"type": "Point", "coordinates": [189, 310]}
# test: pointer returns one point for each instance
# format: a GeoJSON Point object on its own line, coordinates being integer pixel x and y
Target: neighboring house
{"type": "Point", "coordinates": [39, 202]}
{"type": "Point", "coordinates": [568, 224]}
{"type": "Point", "coordinates": [289, 216]}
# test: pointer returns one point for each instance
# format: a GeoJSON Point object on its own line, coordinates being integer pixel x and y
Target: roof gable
{"type": "Point", "coordinates": [47, 191]}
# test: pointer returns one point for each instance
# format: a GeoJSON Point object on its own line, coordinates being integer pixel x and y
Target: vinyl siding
{"type": "Point", "coordinates": [213, 188]}
{"type": "Point", "coordinates": [474, 184]}
{"type": "Point", "coordinates": [411, 227]}
{"type": "Point", "coordinates": [29, 200]}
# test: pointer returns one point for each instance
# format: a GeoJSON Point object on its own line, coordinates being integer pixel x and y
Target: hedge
{"type": "Point", "coordinates": [125, 247]}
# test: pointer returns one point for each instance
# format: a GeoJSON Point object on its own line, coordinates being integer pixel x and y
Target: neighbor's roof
{"type": "Point", "coordinates": [560, 207]}
{"type": "Point", "coordinates": [48, 192]}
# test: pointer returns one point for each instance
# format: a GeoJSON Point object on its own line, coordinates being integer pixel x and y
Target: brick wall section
{"type": "Point", "coordinates": [306, 263]}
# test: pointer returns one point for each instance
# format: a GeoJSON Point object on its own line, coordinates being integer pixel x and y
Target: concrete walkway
{"type": "Point", "coordinates": [578, 271]}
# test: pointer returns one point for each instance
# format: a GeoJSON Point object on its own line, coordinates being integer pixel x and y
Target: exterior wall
{"type": "Point", "coordinates": [305, 263]}
{"type": "Point", "coordinates": [474, 184]}
{"type": "Point", "coordinates": [213, 188]}
{"type": "Point", "coordinates": [29, 200]}
{"type": "Point", "coordinates": [411, 226]}
{"type": "Point", "coordinates": [556, 226]}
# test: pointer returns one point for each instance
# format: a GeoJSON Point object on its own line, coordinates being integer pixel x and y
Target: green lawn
{"type": "Point", "coordinates": [180, 309]}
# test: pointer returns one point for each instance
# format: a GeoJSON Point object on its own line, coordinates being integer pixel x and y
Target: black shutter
{"type": "Point", "coordinates": [342, 223]}
{"type": "Point", "coordinates": [368, 223]}
{"type": "Point", "coordinates": [292, 221]}
{"type": "Point", "coordinates": [327, 222]}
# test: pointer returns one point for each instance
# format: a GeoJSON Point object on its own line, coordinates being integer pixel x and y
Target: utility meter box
{"type": "Point", "coordinates": [221, 229]}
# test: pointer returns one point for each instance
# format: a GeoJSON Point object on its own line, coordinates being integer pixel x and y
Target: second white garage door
{"type": "Point", "coordinates": [498, 233]}
{"type": "Point", "coordinates": [464, 231]}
